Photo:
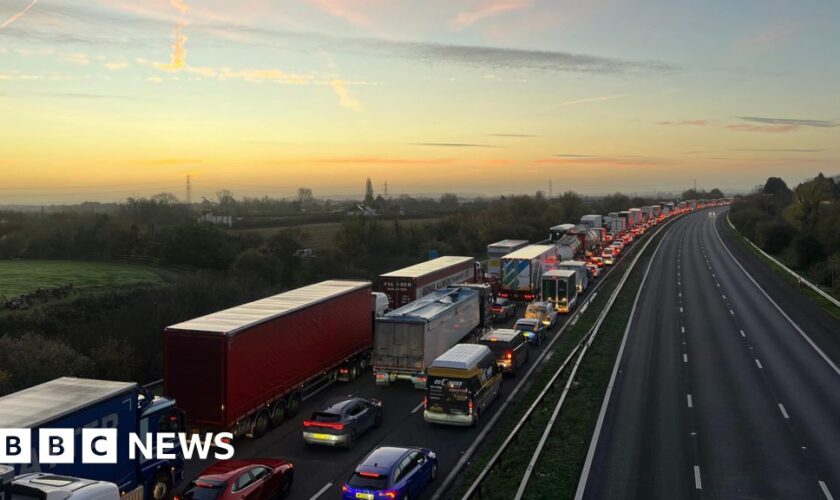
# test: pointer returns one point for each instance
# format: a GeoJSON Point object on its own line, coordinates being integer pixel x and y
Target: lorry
{"type": "Point", "coordinates": [581, 273]}
{"type": "Point", "coordinates": [413, 282]}
{"type": "Point", "coordinates": [495, 252]}
{"type": "Point", "coordinates": [45, 486]}
{"type": "Point", "coordinates": [408, 339]}
{"type": "Point", "coordinates": [636, 215]}
{"type": "Point", "coordinates": [77, 403]}
{"type": "Point", "coordinates": [592, 221]}
{"type": "Point", "coordinates": [560, 230]}
{"type": "Point", "coordinates": [628, 219]}
{"type": "Point", "coordinates": [568, 247]}
{"type": "Point", "coordinates": [656, 210]}
{"type": "Point", "coordinates": [247, 368]}
{"type": "Point", "coordinates": [522, 269]}
{"type": "Point", "coordinates": [559, 286]}
{"type": "Point", "coordinates": [647, 213]}
{"type": "Point", "coordinates": [667, 208]}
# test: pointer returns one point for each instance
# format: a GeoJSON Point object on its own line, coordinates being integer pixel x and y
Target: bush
{"type": "Point", "coordinates": [33, 359]}
{"type": "Point", "coordinates": [773, 235]}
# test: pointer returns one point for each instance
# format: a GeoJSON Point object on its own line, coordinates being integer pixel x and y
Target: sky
{"type": "Point", "coordinates": [105, 99]}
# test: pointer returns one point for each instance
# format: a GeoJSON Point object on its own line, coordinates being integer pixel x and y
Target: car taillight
{"type": "Point", "coordinates": [470, 406]}
{"type": "Point", "coordinates": [508, 355]}
{"type": "Point", "coordinates": [389, 494]}
{"type": "Point", "coordinates": [426, 402]}
{"type": "Point", "coordinates": [344, 488]}
{"type": "Point", "coordinates": [330, 425]}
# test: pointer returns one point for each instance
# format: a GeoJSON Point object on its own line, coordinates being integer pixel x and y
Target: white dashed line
{"type": "Point", "coordinates": [682, 329]}
{"type": "Point", "coordinates": [689, 401]}
{"type": "Point", "coordinates": [321, 491]}
{"type": "Point", "coordinates": [680, 294]}
{"type": "Point", "coordinates": [784, 412]}
{"type": "Point", "coordinates": [685, 358]}
{"type": "Point", "coordinates": [697, 483]}
{"type": "Point", "coordinates": [681, 309]}
{"type": "Point", "coordinates": [732, 312]}
{"type": "Point", "coordinates": [825, 491]}
{"type": "Point", "coordinates": [723, 295]}
{"type": "Point", "coordinates": [416, 409]}
{"type": "Point", "coordinates": [743, 334]}
{"type": "Point", "coordinates": [758, 364]}
{"type": "Point", "coordinates": [718, 285]}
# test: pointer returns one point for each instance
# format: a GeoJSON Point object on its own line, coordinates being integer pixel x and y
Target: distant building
{"type": "Point", "coordinates": [363, 211]}
{"type": "Point", "coordinates": [219, 220]}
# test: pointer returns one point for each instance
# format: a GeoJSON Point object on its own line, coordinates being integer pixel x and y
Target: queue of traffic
{"type": "Point", "coordinates": [246, 369]}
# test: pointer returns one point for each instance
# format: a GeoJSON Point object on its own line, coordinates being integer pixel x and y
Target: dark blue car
{"type": "Point", "coordinates": [392, 473]}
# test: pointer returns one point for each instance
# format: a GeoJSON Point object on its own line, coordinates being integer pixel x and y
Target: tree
{"type": "Point", "coordinates": [449, 201]}
{"type": "Point", "coordinates": [369, 192]}
{"type": "Point", "coordinates": [304, 197]}
{"type": "Point", "coordinates": [53, 359]}
{"type": "Point", "coordinates": [226, 201]}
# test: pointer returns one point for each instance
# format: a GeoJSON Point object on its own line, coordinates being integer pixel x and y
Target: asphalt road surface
{"type": "Point", "coordinates": [321, 471]}
{"type": "Point", "coordinates": [720, 392]}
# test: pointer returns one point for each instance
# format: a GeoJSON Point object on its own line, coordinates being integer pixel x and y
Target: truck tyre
{"type": "Point", "coordinates": [261, 422]}
{"type": "Point", "coordinates": [363, 363]}
{"type": "Point", "coordinates": [278, 414]}
{"type": "Point", "coordinates": [294, 406]}
{"type": "Point", "coordinates": [354, 371]}
{"type": "Point", "coordinates": [161, 486]}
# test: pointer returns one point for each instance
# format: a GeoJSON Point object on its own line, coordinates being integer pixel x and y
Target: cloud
{"type": "Point", "coordinates": [512, 135]}
{"type": "Point", "coordinates": [611, 160]}
{"type": "Point", "coordinates": [169, 161]}
{"type": "Point", "coordinates": [770, 129]}
{"type": "Point", "coordinates": [79, 58]}
{"type": "Point", "coordinates": [370, 160]}
{"type": "Point", "coordinates": [781, 150]}
{"type": "Point", "coordinates": [791, 121]}
{"type": "Point", "coordinates": [180, 6]}
{"type": "Point", "coordinates": [116, 66]}
{"type": "Point", "coordinates": [592, 99]}
{"type": "Point", "coordinates": [344, 96]}
{"type": "Point", "coordinates": [696, 123]}
{"type": "Point", "coordinates": [453, 145]}
{"type": "Point", "coordinates": [17, 16]}
{"type": "Point", "coordinates": [768, 37]}
{"type": "Point", "coordinates": [154, 79]}
{"type": "Point", "coordinates": [335, 8]}
{"type": "Point", "coordinates": [179, 51]}
{"type": "Point", "coordinates": [487, 9]}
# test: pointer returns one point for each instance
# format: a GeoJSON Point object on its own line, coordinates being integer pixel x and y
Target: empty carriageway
{"type": "Point", "coordinates": [718, 393]}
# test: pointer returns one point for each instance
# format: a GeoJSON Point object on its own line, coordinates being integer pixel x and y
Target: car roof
{"type": "Point", "coordinates": [500, 335]}
{"type": "Point", "coordinates": [338, 404]}
{"type": "Point", "coordinates": [226, 469]}
{"type": "Point", "coordinates": [382, 460]}
{"type": "Point", "coordinates": [527, 321]}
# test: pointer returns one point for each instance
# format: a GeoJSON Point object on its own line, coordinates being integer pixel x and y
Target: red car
{"type": "Point", "coordinates": [250, 479]}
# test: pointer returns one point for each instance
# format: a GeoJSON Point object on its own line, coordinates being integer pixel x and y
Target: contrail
{"type": "Point", "coordinates": [180, 5]}
{"type": "Point", "coordinates": [24, 11]}
{"type": "Point", "coordinates": [179, 52]}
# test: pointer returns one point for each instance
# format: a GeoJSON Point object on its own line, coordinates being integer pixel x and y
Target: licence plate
{"type": "Point", "coordinates": [366, 496]}
{"type": "Point", "coordinates": [325, 437]}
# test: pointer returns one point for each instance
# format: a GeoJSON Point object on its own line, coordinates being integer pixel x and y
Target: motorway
{"type": "Point", "coordinates": [726, 387]}
{"type": "Point", "coordinates": [321, 471]}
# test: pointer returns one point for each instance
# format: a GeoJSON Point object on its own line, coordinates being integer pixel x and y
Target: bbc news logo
{"type": "Point", "coordinates": [101, 446]}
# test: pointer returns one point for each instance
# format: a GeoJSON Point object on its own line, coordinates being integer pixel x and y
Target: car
{"type": "Point", "coordinates": [608, 255]}
{"type": "Point", "coordinates": [391, 472]}
{"type": "Point", "coordinates": [340, 421]}
{"type": "Point", "coordinates": [618, 246]}
{"type": "Point", "coordinates": [502, 309]}
{"type": "Point", "coordinates": [509, 346]}
{"type": "Point", "coordinates": [533, 329]}
{"type": "Point", "coordinates": [594, 270]}
{"type": "Point", "coordinates": [252, 479]}
{"type": "Point", "coordinates": [543, 311]}
{"type": "Point", "coordinates": [598, 261]}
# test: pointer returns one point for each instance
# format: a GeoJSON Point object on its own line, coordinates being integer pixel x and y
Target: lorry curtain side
{"type": "Point", "coordinates": [404, 289]}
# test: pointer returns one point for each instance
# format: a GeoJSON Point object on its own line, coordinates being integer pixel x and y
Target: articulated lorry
{"type": "Point", "coordinates": [568, 247]}
{"type": "Point", "coordinates": [522, 270]}
{"type": "Point", "coordinates": [581, 273]}
{"type": "Point", "coordinates": [496, 251]}
{"type": "Point", "coordinates": [77, 403]}
{"type": "Point", "coordinates": [592, 221]}
{"type": "Point", "coordinates": [413, 282]}
{"type": "Point", "coordinates": [559, 288]}
{"type": "Point", "coordinates": [408, 339]}
{"type": "Point", "coordinates": [246, 368]}
{"type": "Point", "coordinates": [560, 230]}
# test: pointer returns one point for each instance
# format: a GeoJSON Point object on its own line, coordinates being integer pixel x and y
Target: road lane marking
{"type": "Point", "coordinates": [689, 401]}
{"type": "Point", "coordinates": [321, 491]}
{"type": "Point", "coordinates": [784, 412]}
{"type": "Point", "coordinates": [680, 294]}
{"type": "Point", "coordinates": [758, 364]}
{"type": "Point", "coordinates": [825, 491]}
{"type": "Point", "coordinates": [732, 312]}
{"type": "Point", "coordinates": [718, 285]}
{"type": "Point", "coordinates": [681, 309]}
{"type": "Point", "coordinates": [743, 334]}
{"type": "Point", "coordinates": [415, 410]}
{"type": "Point", "coordinates": [682, 328]}
{"type": "Point", "coordinates": [698, 484]}
{"type": "Point", "coordinates": [685, 358]}
{"type": "Point", "coordinates": [723, 295]}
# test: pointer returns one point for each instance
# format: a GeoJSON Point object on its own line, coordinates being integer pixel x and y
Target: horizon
{"type": "Point", "coordinates": [483, 97]}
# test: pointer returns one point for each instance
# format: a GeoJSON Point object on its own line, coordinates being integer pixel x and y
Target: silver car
{"type": "Point", "coordinates": [342, 420]}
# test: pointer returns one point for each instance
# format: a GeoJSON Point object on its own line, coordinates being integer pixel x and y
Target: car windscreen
{"type": "Point", "coordinates": [525, 327]}
{"type": "Point", "coordinates": [204, 490]}
{"type": "Point", "coordinates": [325, 417]}
{"type": "Point", "coordinates": [367, 482]}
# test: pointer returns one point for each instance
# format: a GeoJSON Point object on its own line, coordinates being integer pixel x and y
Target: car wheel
{"type": "Point", "coordinates": [287, 487]}
{"type": "Point", "coordinates": [351, 441]}
{"type": "Point", "coordinates": [161, 486]}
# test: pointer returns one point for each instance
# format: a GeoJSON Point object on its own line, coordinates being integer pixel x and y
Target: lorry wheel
{"type": "Point", "coordinates": [294, 406]}
{"type": "Point", "coordinates": [161, 486]}
{"type": "Point", "coordinates": [278, 415]}
{"type": "Point", "coordinates": [261, 424]}
{"type": "Point", "coordinates": [363, 364]}
{"type": "Point", "coordinates": [354, 372]}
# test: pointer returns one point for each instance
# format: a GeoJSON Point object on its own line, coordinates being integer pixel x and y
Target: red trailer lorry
{"type": "Point", "coordinates": [247, 368]}
{"type": "Point", "coordinates": [413, 282]}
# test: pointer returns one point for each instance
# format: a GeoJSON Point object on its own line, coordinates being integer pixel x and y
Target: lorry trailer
{"type": "Point", "coordinates": [592, 221]}
{"type": "Point", "coordinates": [522, 269]}
{"type": "Point", "coordinates": [560, 230]}
{"type": "Point", "coordinates": [496, 251]}
{"type": "Point", "coordinates": [581, 273]}
{"type": "Point", "coordinates": [77, 403]}
{"type": "Point", "coordinates": [559, 288]}
{"type": "Point", "coordinates": [568, 247]}
{"type": "Point", "coordinates": [409, 284]}
{"type": "Point", "coordinates": [408, 339]}
{"type": "Point", "coordinates": [246, 368]}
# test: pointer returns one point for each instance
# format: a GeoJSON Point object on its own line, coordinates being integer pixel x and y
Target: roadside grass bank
{"type": "Point", "coordinates": [19, 277]}
{"type": "Point", "coordinates": [787, 277]}
{"type": "Point", "coordinates": [580, 411]}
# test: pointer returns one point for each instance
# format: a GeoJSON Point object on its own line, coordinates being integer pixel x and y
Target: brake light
{"type": "Point", "coordinates": [344, 488]}
{"type": "Point", "coordinates": [508, 355]}
{"type": "Point", "coordinates": [470, 406]}
{"type": "Point", "coordinates": [426, 402]}
{"type": "Point", "coordinates": [389, 494]}
{"type": "Point", "coordinates": [369, 474]}
{"type": "Point", "coordinates": [330, 425]}
{"type": "Point", "coordinates": [343, 370]}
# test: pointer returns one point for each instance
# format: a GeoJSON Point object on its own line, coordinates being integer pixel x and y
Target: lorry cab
{"type": "Point", "coordinates": [43, 486]}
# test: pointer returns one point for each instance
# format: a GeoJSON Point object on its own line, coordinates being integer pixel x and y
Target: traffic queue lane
{"type": "Point", "coordinates": [320, 471]}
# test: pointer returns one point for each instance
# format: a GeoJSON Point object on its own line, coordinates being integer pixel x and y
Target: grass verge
{"type": "Point", "coordinates": [786, 276]}
{"type": "Point", "coordinates": [19, 277]}
{"type": "Point", "coordinates": [557, 471]}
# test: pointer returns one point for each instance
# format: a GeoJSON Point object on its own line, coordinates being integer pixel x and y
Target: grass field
{"type": "Point", "coordinates": [322, 235]}
{"type": "Point", "coordinates": [18, 277]}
